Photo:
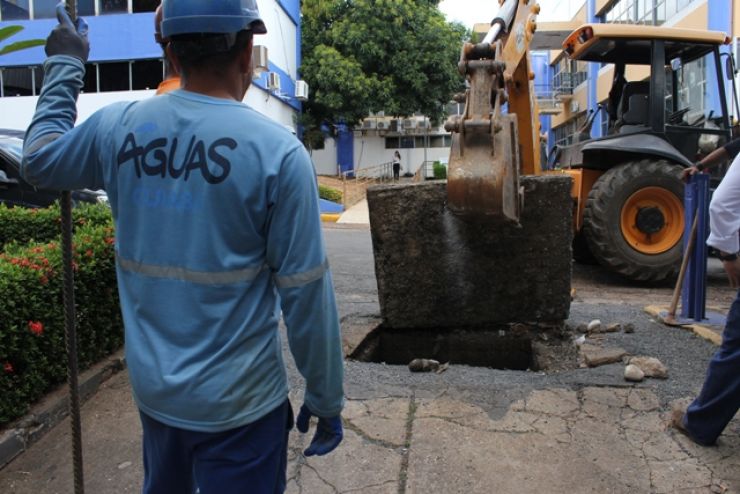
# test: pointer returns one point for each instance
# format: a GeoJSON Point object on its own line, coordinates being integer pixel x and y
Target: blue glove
{"type": "Point", "coordinates": [68, 38]}
{"type": "Point", "coordinates": [328, 432]}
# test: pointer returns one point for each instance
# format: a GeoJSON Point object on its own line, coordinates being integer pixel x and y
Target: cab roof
{"type": "Point", "coordinates": [630, 43]}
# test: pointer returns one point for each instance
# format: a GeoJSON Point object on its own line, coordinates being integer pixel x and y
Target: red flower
{"type": "Point", "coordinates": [110, 240]}
{"type": "Point", "coordinates": [44, 280]}
{"type": "Point", "coordinates": [8, 367]}
{"type": "Point", "coordinates": [36, 327]}
{"type": "Point", "coordinates": [89, 253]}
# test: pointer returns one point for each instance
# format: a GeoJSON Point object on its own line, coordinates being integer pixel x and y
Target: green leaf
{"type": "Point", "coordinates": [22, 45]}
{"type": "Point", "coordinates": [9, 31]}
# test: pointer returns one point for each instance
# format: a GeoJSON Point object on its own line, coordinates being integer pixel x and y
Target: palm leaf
{"type": "Point", "coordinates": [21, 45]}
{"type": "Point", "coordinates": [9, 31]}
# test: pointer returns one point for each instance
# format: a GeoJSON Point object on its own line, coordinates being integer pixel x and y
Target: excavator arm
{"type": "Point", "coordinates": [491, 148]}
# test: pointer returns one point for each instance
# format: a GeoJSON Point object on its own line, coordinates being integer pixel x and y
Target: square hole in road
{"type": "Point", "coordinates": [498, 349]}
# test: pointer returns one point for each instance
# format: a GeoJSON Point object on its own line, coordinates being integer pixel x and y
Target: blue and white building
{"type": "Point", "coordinates": [126, 63]}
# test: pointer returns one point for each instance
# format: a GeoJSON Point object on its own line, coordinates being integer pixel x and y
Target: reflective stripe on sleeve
{"type": "Point", "coordinates": [298, 279]}
{"type": "Point", "coordinates": [43, 141]}
{"type": "Point", "coordinates": [182, 274]}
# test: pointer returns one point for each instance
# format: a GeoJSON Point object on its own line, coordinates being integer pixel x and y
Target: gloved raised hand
{"type": "Point", "coordinates": [328, 432]}
{"type": "Point", "coordinates": [68, 38]}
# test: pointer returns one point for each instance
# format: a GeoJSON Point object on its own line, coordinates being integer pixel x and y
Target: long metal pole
{"type": "Point", "coordinates": [70, 329]}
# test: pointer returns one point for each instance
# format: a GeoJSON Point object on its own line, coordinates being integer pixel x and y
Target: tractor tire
{"type": "Point", "coordinates": [633, 220]}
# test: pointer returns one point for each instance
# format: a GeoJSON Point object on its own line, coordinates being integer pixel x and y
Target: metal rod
{"type": "Point", "coordinates": [70, 329]}
{"type": "Point", "coordinates": [682, 272]}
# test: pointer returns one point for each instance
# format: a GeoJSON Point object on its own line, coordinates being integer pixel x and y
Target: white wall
{"type": "Point", "coordinates": [370, 151]}
{"type": "Point", "coordinates": [280, 38]}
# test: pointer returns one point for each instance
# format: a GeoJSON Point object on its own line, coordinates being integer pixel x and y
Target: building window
{"type": "Point", "coordinates": [146, 74]}
{"type": "Point", "coordinates": [114, 76]}
{"type": "Point", "coordinates": [44, 9]}
{"type": "Point", "coordinates": [86, 7]}
{"type": "Point", "coordinates": [12, 10]}
{"type": "Point", "coordinates": [17, 81]}
{"type": "Point", "coordinates": [391, 143]}
{"type": "Point", "coordinates": [144, 5]}
{"type": "Point", "coordinates": [443, 141]}
{"type": "Point", "coordinates": [569, 74]}
{"type": "Point", "coordinates": [652, 12]}
{"type": "Point", "coordinates": [113, 6]}
{"type": "Point", "coordinates": [406, 142]}
{"type": "Point", "coordinates": [566, 133]}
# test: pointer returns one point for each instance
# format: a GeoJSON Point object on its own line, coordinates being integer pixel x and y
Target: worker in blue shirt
{"type": "Point", "coordinates": [217, 230]}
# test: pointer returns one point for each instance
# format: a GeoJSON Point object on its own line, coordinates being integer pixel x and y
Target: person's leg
{"type": "Point", "coordinates": [719, 400]}
{"type": "Point", "coordinates": [168, 462]}
{"type": "Point", "coordinates": [252, 458]}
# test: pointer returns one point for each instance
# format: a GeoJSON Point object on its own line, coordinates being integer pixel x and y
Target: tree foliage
{"type": "Point", "coordinates": [8, 31]}
{"type": "Point", "coordinates": [360, 56]}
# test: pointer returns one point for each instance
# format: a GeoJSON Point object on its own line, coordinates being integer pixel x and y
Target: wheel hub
{"type": "Point", "coordinates": [650, 220]}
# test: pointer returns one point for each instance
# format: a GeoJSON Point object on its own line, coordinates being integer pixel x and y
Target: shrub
{"type": "Point", "coordinates": [32, 349]}
{"type": "Point", "coordinates": [22, 225]}
{"type": "Point", "coordinates": [439, 170]}
{"type": "Point", "coordinates": [330, 194]}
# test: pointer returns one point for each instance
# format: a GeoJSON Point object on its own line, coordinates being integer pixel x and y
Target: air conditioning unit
{"type": "Point", "coordinates": [369, 124]}
{"type": "Point", "coordinates": [394, 125]}
{"type": "Point", "coordinates": [259, 61]}
{"type": "Point", "coordinates": [381, 113]}
{"type": "Point", "coordinates": [382, 125]}
{"type": "Point", "coordinates": [409, 123]}
{"type": "Point", "coordinates": [301, 90]}
{"type": "Point", "coordinates": [273, 81]}
{"type": "Point", "coordinates": [425, 124]}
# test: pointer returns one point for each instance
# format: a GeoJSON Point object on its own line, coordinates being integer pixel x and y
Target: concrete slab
{"type": "Point", "coordinates": [355, 215]}
{"type": "Point", "coordinates": [574, 441]}
{"type": "Point", "coordinates": [435, 269]}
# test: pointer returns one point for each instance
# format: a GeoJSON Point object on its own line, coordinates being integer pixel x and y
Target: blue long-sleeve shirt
{"type": "Point", "coordinates": [217, 229]}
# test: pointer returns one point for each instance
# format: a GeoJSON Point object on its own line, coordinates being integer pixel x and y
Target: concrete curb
{"type": "Point", "coordinates": [700, 330]}
{"type": "Point", "coordinates": [330, 217]}
{"type": "Point", "coordinates": [18, 436]}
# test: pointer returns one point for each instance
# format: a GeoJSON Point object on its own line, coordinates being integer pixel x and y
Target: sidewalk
{"type": "Point", "coordinates": [468, 430]}
{"type": "Point", "coordinates": [594, 439]}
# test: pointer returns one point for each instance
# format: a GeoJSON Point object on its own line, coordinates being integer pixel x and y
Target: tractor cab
{"type": "Point", "coordinates": [666, 108]}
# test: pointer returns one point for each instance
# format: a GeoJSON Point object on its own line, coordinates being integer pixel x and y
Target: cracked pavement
{"type": "Point", "coordinates": [467, 430]}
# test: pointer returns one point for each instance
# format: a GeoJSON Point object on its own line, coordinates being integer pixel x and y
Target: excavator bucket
{"type": "Point", "coordinates": [483, 176]}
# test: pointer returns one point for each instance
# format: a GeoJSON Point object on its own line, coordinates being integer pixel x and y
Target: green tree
{"type": "Point", "coordinates": [9, 31]}
{"type": "Point", "coordinates": [360, 56]}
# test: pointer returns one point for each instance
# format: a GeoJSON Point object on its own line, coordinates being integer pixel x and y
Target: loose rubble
{"type": "Point", "coordinates": [651, 366]}
{"type": "Point", "coordinates": [423, 365]}
{"type": "Point", "coordinates": [595, 356]}
{"type": "Point", "coordinates": [633, 373]}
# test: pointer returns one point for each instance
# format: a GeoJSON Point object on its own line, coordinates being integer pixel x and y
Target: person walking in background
{"type": "Point", "coordinates": [217, 230]}
{"type": "Point", "coordinates": [396, 165]}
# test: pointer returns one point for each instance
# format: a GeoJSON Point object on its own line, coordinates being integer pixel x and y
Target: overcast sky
{"type": "Point", "coordinates": [469, 12]}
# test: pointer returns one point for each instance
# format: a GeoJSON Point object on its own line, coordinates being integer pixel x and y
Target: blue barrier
{"type": "Point", "coordinates": [694, 289]}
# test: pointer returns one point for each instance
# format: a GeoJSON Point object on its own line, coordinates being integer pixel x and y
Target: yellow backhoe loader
{"type": "Point", "coordinates": [627, 193]}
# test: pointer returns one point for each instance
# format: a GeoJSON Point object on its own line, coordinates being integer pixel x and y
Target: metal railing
{"type": "Point", "coordinates": [356, 182]}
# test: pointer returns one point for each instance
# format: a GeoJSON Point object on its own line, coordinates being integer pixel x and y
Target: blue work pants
{"type": "Point", "coordinates": [719, 399]}
{"type": "Point", "coordinates": [251, 459]}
